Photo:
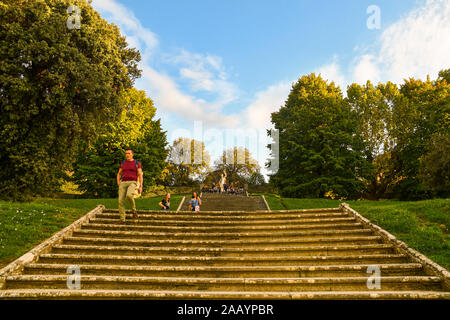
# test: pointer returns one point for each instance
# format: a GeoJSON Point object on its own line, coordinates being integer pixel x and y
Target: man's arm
{"type": "Point", "coordinates": [119, 174]}
{"type": "Point", "coordinates": [141, 179]}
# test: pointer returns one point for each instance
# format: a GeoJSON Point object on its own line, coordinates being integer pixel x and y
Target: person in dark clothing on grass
{"type": "Point", "coordinates": [165, 203]}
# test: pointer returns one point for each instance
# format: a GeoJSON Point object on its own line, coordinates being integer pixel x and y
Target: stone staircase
{"type": "Point", "coordinates": [297, 254]}
{"type": "Point", "coordinates": [227, 202]}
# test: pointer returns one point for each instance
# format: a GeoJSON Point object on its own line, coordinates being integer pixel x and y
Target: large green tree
{"type": "Point", "coordinates": [96, 166]}
{"type": "Point", "coordinates": [320, 152]}
{"type": "Point", "coordinates": [58, 85]}
{"type": "Point", "coordinates": [422, 120]}
{"type": "Point", "coordinates": [373, 106]}
{"type": "Point", "coordinates": [434, 169]}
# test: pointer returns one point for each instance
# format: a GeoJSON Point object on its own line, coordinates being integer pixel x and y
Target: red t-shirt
{"type": "Point", "coordinates": [129, 172]}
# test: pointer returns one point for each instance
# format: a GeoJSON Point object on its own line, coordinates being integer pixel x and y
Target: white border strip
{"type": "Point", "coordinates": [181, 203]}
{"type": "Point", "coordinates": [265, 202]}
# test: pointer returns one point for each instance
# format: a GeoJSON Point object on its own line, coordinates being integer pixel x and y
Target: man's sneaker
{"type": "Point", "coordinates": [135, 215]}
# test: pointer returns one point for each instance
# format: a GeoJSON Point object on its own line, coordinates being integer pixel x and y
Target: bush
{"type": "Point", "coordinates": [411, 189]}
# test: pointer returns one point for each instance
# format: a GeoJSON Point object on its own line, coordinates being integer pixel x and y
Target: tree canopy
{"type": "Point", "coordinates": [380, 141]}
{"type": "Point", "coordinates": [58, 86]}
{"type": "Point", "coordinates": [320, 151]}
{"type": "Point", "coordinates": [96, 165]}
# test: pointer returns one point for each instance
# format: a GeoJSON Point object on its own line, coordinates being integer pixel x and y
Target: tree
{"type": "Point", "coordinates": [188, 160]}
{"type": "Point", "coordinates": [373, 106]}
{"type": "Point", "coordinates": [434, 169]}
{"type": "Point", "coordinates": [238, 163]}
{"type": "Point", "coordinates": [423, 112]}
{"type": "Point", "coordinates": [57, 87]}
{"type": "Point", "coordinates": [320, 151]}
{"type": "Point", "coordinates": [256, 179]}
{"type": "Point", "coordinates": [96, 166]}
{"type": "Point", "coordinates": [444, 75]}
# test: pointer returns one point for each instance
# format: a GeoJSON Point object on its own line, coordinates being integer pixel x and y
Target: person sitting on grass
{"type": "Point", "coordinates": [165, 203]}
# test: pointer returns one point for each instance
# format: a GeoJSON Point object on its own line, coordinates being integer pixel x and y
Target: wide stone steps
{"type": "Point", "coordinates": [225, 251]}
{"type": "Point", "coordinates": [260, 243]}
{"type": "Point", "coordinates": [218, 235]}
{"type": "Point", "coordinates": [238, 254]}
{"type": "Point", "coordinates": [220, 260]}
{"type": "Point", "coordinates": [425, 283]}
{"type": "Point", "coordinates": [230, 216]}
{"type": "Point", "coordinates": [45, 294]}
{"type": "Point", "coordinates": [225, 223]}
{"type": "Point", "coordinates": [213, 229]}
{"type": "Point", "coordinates": [356, 270]}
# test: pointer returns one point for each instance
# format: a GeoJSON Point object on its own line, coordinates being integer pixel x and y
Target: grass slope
{"type": "Point", "coordinates": [25, 225]}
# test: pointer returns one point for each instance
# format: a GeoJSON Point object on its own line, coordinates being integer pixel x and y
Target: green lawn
{"type": "Point", "coordinates": [25, 225]}
{"type": "Point", "coordinates": [423, 225]}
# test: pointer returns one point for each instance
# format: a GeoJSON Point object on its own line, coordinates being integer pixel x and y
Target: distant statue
{"type": "Point", "coordinates": [223, 179]}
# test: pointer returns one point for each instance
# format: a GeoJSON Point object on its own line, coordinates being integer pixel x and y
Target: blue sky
{"type": "Point", "coordinates": [229, 64]}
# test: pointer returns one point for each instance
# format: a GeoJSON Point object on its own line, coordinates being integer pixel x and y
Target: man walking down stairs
{"type": "Point", "coordinates": [234, 254]}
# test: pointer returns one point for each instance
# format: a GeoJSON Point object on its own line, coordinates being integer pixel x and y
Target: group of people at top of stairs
{"type": "Point", "coordinates": [130, 180]}
{"type": "Point", "coordinates": [223, 187]}
{"type": "Point", "coordinates": [230, 189]}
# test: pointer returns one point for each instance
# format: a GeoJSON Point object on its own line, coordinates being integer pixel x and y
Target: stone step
{"type": "Point", "coordinates": [77, 259]}
{"type": "Point", "coordinates": [210, 229]}
{"type": "Point", "coordinates": [358, 270]}
{"type": "Point", "coordinates": [279, 242]}
{"type": "Point", "coordinates": [229, 203]}
{"type": "Point", "coordinates": [52, 294]}
{"type": "Point", "coordinates": [212, 236]}
{"type": "Point", "coordinates": [220, 216]}
{"type": "Point", "coordinates": [225, 251]}
{"type": "Point", "coordinates": [225, 223]}
{"type": "Point", "coordinates": [209, 206]}
{"type": "Point", "coordinates": [161, 217]}
{"type": "Point", "coordinates": [221, 205]}
{"type": "Point", "coordinates": [422, 283]}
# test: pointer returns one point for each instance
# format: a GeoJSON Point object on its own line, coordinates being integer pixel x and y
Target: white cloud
{"type": "Point", "coordinates": [202, 80]}
{"type": "Point", "coordinates": [418, 44]}
{"type": "Point", "coordinates": [128, 23]}
{"type": "Point", "coordinates": [332, 72]}
{"type": "Point", "coordinates": [205, 73]}
{"type": "Point", "coordinates": [257, 115]}
{"type": "Point", "coordinates": [366, 69]}
{"type": "Point", "coordinates": [165, 90]}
